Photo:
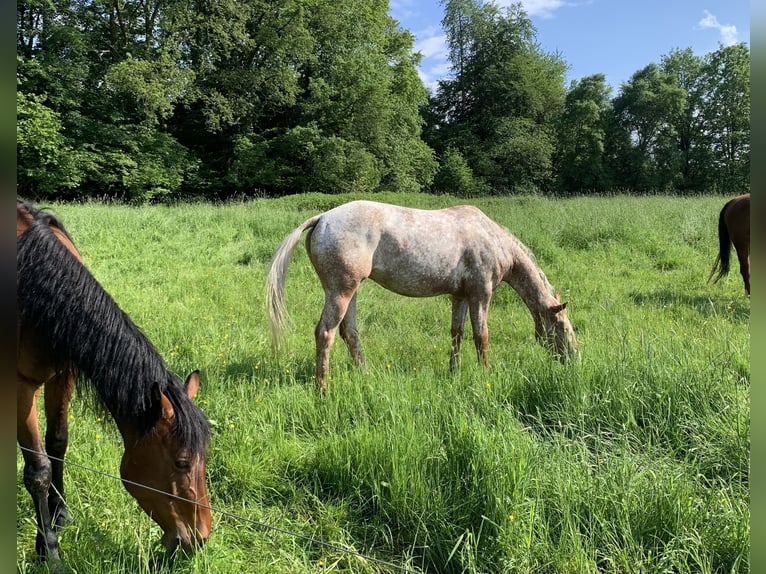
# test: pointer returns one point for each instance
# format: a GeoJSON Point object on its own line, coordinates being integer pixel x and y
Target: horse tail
{"type": "Point", "coordinates": [721, 265]}
{"type": "Point", "coordinates": [275, 281]}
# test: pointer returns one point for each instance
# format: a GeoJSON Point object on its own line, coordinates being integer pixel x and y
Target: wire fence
{"type": "Point", "coordinates": [232, 515]}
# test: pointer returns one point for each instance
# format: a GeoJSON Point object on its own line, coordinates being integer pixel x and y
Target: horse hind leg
{"type": "Point", "coordinates": [57, 396]}
{"type": "Point", "coordinates": [350, 335]}
{"type": "Point", "coordinates": [334, 311]}
{"type": "Point", "coordinates": [37, 469]}
{"type": "Point", "coordinates": [459, 311]}
{"type": "Point", "coordinates": [744, 268]}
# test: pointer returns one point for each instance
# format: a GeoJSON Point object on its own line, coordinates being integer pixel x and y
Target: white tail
{"type": "Point", "coordinates": [275, 281]}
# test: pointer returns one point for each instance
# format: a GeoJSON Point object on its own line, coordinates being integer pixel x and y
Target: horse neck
{"type": "Point", "coordinates": [528, 281]}
{"type": "Point", "coordinates": [60, 302]}
{"type": "Point", "coordinates": [116, 358]}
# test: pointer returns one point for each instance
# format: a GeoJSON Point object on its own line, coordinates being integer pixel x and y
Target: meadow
{"type": "Point", "coordinates": [633, 460]}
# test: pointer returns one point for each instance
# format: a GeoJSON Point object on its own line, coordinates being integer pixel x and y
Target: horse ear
{"type": "Point", "coordinates": [192, 384]}
{"type": "Point", "coordinates": [558, 308]}
{"type": "Point", "coordinates": [165, 407]}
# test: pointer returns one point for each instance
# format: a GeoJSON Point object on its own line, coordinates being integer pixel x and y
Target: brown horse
{"type": "Point", "coordinates": [68, 326]}
{"type": "Point", "coordinates": [457, 251]}
{"type": "Point", "coordinates": [734, 228]}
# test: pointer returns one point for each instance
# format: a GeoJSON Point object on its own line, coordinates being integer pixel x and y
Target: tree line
{"type": "Point", "coordinates": [152, 99]}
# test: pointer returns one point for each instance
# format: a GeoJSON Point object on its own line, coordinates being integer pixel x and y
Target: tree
{"type": "Point", "coordinates": [726, 116]}
{"type": "Point", "coordinates": [581, 131]}
{"type": "Point", "coordinates": [45, 162]}
{"type": "Point", "coordinates": [340, 73]}
{"type": "Point", "coordinates": [683, 125]}
{"type": "Point", "coordinates": [644, 109]}
{"type": "Point", "coordinates": [497, 109]}
{"type": "Point", "coordinates": [362, 85]}
{"type": "Point", "coordinates": [686, 157]}
{"type": "Point", "coordinates": [156, 97]}
{"type": "Point", "coordinates": [102, 69]}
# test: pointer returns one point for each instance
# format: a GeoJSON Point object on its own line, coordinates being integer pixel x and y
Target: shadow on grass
{"type": "Point", "coordinates": [706, 306]}
{"type": "Point", "coordinates": [157, 560]}
{"type": "Point", "coordinates": [37, 565]}
{"type": "Point", "coordinates": [272, 370]}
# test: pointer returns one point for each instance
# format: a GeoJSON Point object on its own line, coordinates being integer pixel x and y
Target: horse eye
{"type": "Point", "coordinates": [183, 465]}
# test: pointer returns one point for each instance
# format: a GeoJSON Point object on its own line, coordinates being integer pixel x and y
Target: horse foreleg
{"type": "Point", "coordinates": [478, 310]}
{"type": "Point", "coordinates": [57, 395]}
{"type": "Point", "coordinates": [37, 468]}
{"type": "Point", "coordinates": [349, 333]}
{"type": "Point", "coordinates": [459, 310]}
{"type": "Point", "coordinates": [332, 314]}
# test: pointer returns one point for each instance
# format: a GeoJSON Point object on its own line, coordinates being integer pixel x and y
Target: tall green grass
{"type": "Point", "coordinates": [635, 459]}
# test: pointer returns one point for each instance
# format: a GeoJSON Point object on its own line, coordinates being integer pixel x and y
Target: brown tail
{"type": "Point", "coordinates": [275, 281]}
{"type": "Point", "coordinates": [722, 261]}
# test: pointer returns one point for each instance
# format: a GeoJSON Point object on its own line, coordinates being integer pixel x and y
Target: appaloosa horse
{"type": "Point", "coordinates": [734, 229]}
{"type": "Point", "coordinates": [67, 326]}
{"type": "Point", "coordinates": [457, 251]}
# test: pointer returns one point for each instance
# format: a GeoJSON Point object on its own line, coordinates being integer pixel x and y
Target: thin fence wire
{"type": "Point", "coordinates": [231, 515]}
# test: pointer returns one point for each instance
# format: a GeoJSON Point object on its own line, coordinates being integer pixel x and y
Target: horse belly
{"type": "Point", "coordinates": [33, 359]}
{"type": "Point", "coordinates": [413, 275]}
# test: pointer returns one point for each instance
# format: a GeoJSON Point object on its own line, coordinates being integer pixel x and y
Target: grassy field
{"type": "Point", "coordinates": [635, 459]}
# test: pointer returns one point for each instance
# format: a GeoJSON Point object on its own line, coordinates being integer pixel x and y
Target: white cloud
{"type": "Point", "coordinates": [432, 46]}
{"type": "Point", "coordinates": [728, 31]}
{"type": "Point", "coordinates": [541, 8]}
{"type": "Point", "coordinates": [435, 64]}
{"type": "Point", "coordinates": [399, 5]}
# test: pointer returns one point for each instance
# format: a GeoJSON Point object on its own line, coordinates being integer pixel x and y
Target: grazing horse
{"type": "Point", "coordinates": [69, 327]}
{"type": "Point", "coordinates": [457, 251]}
{"type": "Point", "coordinates": [734, 228]}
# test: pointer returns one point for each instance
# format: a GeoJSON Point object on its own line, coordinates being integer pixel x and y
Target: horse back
{"type": "Point", "coordinates": [413, 252]}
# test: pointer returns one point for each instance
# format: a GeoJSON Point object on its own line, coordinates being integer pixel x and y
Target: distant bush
{"type": "Point", "coordinates": [455, 176]}
{"type": "Point", "coordinates": [302, 160]}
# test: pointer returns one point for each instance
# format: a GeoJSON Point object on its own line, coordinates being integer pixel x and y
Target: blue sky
{"type": "Point", "coordinates": [613, 37]}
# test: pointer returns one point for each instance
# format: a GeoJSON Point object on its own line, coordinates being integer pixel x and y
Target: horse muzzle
{"type": "Point", "coordinates": [182, 540]}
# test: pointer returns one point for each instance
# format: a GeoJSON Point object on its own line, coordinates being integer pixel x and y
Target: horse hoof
{"type": "Point", "coordinates": [57, 566]}
{"type": "Point", "coordinates": [51, 556]}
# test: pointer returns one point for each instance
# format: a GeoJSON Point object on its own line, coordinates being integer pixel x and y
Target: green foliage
{"type": "Point", "coordinates": [635, 459]}
{"type": "Point", "coordinates": [155, 166]}
{"type": "Point", "coordinates": [146, 91]}
{"type": "Point", "coordinates": [455, 176]}
{"type": "Point", "coordinates": [727, 115]}
{"type": "Point", "coordinates": [668, 131]}
{"type": "Point", "coordinates": [498, 108]}
{"type": "Point", "coordinates": [686, 156]}
{"type": "Point", "coordinates": [581, 132]}
{"type": "Point", "coordinates": [164, 99]}
{"type": "Point", "coordinates": [147, 100]}
{"type": "Point", "coordinates": [304, 160]}
{"type": "Point", "coordinates": [45, 162]}
{"type": "Point", "coordinates": [643, 109]}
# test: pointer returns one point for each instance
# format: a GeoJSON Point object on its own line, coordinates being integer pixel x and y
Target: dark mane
{"type": "Point", "coordinates": [60, 302]}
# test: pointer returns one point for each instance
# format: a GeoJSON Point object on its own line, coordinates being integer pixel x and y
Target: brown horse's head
{"type": "Point", "coordinates": [554, 330]}
{"type": "Point", "coordinates": [158, 462]}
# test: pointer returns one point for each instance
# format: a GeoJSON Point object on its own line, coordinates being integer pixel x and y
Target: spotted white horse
{"type": "Point", "coordinates": [457, 251]}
